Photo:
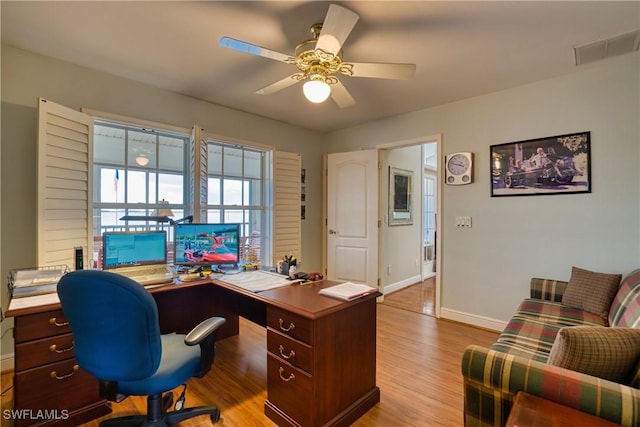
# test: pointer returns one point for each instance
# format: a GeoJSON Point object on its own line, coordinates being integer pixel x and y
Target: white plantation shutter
{"type": "Point", "coordinates": [64, 202]}
{"type": "Point", "coordinates": [199, 156]}
{"type": "Point", "coordinates": [286, 205]}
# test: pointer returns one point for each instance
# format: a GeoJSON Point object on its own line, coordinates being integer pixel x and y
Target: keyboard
{"type": "Point", "coordinates": [153, 275]}
{"type": "Point", "coordinates": [154, 279]}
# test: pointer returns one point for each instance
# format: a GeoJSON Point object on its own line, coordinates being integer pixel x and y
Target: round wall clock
{"type": "Point", "coordinates": [458, 168]}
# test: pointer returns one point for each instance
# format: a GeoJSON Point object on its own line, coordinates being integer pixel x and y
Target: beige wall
{"type": "Point", "coordinates": [486, 269]}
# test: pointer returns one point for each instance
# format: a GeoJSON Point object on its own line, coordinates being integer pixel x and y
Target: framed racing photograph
{"type": "Point", "coordinates": [552, 165]}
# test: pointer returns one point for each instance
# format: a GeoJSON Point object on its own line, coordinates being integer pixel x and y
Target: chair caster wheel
{"type": "Point", "coordinates": [215, 417]}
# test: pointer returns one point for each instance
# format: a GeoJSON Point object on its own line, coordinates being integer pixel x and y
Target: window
{"type": "Point", "coordinates": [135, 172]}
{"type": "Point", "coordinates": [236, 182]}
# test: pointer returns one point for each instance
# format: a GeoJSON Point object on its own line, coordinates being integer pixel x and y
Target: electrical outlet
{"type": "Point", "coordinates": [388, 270]}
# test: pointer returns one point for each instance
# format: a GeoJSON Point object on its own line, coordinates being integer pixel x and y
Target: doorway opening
{"type": "Point", "coordinates": [409, 267]}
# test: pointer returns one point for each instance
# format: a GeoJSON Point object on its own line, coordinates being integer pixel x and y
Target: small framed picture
{"type": "Point", "coordinates": [553, 165]}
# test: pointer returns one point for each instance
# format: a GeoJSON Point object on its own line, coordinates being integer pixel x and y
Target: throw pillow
{"type": "Point", "coordinates": [590, 291]}
{"type": "Point", "coordinates": [608, 353]}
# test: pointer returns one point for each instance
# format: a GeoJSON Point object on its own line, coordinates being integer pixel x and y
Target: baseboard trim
{"type": "Point", "coordinates": [7, 362]}
{"type": "Point", "coordinates": [402, 284]}
{"type": "Point", "coordinates": [473, 319]}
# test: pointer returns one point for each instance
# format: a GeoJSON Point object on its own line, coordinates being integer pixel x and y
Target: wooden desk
{"type": "Point", "coordinates": [321, 352]}
{"type": "Point", "coordinates": [532, 411]}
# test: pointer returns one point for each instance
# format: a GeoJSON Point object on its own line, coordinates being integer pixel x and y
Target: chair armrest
{"type": "Point", "coordinates": [492, 379]}
{"type": "Point", "coordinates": [203, 330]}
{"type": "Point", "coordinates": [205, 335]}
{"type": "Point", "coordinates": [547, 290]}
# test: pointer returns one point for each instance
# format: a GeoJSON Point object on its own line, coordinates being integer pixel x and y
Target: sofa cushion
{"type": "Point", "coordinates": [591, 291]}
{"type": "Point", "coordinates": [557, 313]}
{"type": "Point", "coordinates": [625, 308]}
{"type": "Point", "coordinates": [608, 353]}
{"type": "Point", "coordinates": [527, 337]}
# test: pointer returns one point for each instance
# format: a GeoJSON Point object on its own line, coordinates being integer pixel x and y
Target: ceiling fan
{"type": "Point", "coordinates": [319, 60]}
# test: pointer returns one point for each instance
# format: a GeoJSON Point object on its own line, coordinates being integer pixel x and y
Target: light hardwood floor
{"type": "Point", "coordinates": [418, 372]}
{"type": "Point", "coordinates": [419, 297]}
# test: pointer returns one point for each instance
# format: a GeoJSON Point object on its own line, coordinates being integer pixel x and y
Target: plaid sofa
{"type": "Point", "coordinates": [517, 360]}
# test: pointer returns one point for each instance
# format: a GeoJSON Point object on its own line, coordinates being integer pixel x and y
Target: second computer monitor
{"type": "Point", "coordinates": [207, 244]}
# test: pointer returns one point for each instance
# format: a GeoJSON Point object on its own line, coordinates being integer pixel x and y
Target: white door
{"type": "Point", "coordinates": [352, 217]}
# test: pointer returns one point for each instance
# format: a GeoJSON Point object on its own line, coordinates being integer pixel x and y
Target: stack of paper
{"type": "Point", "coordinates": [347, 291]}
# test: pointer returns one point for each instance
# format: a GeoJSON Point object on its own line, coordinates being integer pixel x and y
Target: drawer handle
{"type": "Point", "coordinates": [290, 328]}
{"type": "Point", "coordinates": [54, 322]}
{"type": "Point", "coordinates": [55, 375]}
{"type": "Point", "coordinates": [291, 375]}
{"type": "Point", "coordinates": [291, 353]}
{"type": "Point", "coordinates": [54, 348]}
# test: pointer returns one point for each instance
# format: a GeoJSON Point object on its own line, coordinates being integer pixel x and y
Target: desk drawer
{"type": "Point", "coordinates": [40, 325]}
{"type": "Point", "coordinates": [290, 324]}
{"type": "Point", "coordinates": [43, 351]}
{"type": "Point", "coordinates": [295, 352]}
{"type": "Point", "coordinates": [69, 389]}
{"type": "Point", "coordinates": [290, 389]}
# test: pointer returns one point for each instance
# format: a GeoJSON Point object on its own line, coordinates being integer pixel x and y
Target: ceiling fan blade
{"type": "Point", "coordinates": [245, 47]}
{"type": "Point", "coordinates": [383, 70]}
{"type": "Point", "coordinates": [279, 85]}
{"type": "Point", "coordinates": [341, 95]}
{"type": "Point", "coordinates": [336, 28]}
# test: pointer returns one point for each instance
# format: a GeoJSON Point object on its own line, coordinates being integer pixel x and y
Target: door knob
{"type": "Point", "coordinates": [332, 231]}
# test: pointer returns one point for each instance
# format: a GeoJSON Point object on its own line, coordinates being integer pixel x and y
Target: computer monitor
{"type": "Point", "coordinates": [132, 248]}
{"type": "Point", "coordinates": [207, 244]}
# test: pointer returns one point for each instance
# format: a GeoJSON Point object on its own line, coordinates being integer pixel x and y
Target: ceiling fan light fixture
{"type": "Point", "coordinates": [142, 160]}
{"type": "Point", "coordinates": [316, 91]}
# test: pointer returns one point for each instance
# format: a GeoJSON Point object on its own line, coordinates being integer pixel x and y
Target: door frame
{"type": "Point", "coordinates": [437, 138]}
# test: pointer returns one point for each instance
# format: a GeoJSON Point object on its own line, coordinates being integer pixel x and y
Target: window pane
{"type": "Point", "coordinates": [252, 164]}
{"type": "Point", "coordinates": [171, 188]}
{"type": "Point", "coordinates": [136, 187]}
{"type": "Point", "coordinates": [108, 145]}
{"type": "Point", "coordinates": [213, 191]}
{"type": "Point", "coordinates": [253, 192]}
{"type": "Point", "coordinates": [112, 184]}
{"type": "Point", "coordinates": [215, 160]}
{"type": "Point", "coordinates": [153, 188]}
{"type": "Point", "coordinates": [213, 215]}
{"type": "Point", "coordinates": [232, 161]}
{"type": "Point", "coordinates": [142, 149]}
{"type": "Point", "coordinates": [171, 153]}
{"type": "Point", "coordinates": [233, 216]}
{"type": "Point", "coordinates": [232, 192]}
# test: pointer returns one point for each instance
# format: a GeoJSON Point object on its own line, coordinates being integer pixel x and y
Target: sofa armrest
{"type": "Point", "coordinates": [492, 379]}
{"type": "Point", "coordinates": [547, 289]}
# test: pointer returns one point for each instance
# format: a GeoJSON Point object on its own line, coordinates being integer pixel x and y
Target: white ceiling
{"type": "Point", "coordinates": [462, 49]}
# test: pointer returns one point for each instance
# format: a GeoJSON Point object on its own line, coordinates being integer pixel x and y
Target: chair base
{"type": "Point", "coordinates": [158, 417]}
{"type": "Point", "coordinates": [169, 419]}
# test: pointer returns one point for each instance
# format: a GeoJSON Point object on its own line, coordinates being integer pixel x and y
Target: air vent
{"type": "Point", "coordinates": [602, 49]}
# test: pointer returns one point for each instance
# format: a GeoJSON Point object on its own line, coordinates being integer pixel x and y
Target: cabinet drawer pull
{"type": "Point", "coordinates": [54, 348]}
{"type": "Point", "coordinates": [290, 328]}
{"type": "Point", "coordinates": [55, 375]}
{"type": "Point", "coordinates": [54, 322]}
{"type": "Point", "coordinates": [289, 356]}
{"type": "Point", "coordinates": [291, 375]}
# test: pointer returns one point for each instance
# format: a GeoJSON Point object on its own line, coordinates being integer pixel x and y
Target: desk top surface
{"type": "Point", "coordinates": [302, 299]}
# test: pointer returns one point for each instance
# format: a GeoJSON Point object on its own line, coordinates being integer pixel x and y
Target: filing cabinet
{"type": "Point", "coordinates": [321, 367]}
{"type": "Point", "coordinates": [50, 387]}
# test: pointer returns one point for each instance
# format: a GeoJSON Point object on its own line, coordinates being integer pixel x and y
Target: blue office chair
{"type": "Point", "coordinates": [114, 321]}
